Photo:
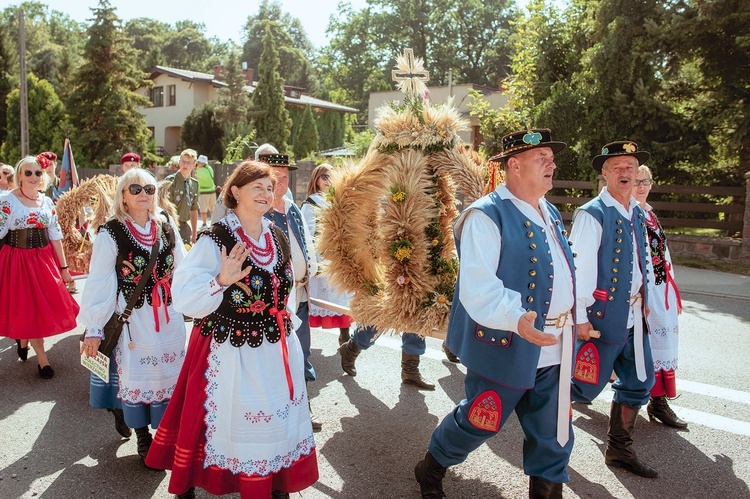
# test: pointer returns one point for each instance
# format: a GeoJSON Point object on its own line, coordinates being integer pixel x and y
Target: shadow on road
{"type": "Point", "coordinates": [74, 453]}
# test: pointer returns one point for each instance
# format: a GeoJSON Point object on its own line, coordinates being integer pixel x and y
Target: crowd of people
{"type": "Point", "coordinates": [229, 400]}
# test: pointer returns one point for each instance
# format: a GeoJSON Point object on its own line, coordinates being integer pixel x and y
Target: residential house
{"type": "Point", "coordinates": [176, 92]}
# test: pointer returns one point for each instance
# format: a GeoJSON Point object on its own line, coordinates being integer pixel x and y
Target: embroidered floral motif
{"type": "Point", "coordinates": [257, 418]}
{"type": "Point", "coordinates": [256, 282]}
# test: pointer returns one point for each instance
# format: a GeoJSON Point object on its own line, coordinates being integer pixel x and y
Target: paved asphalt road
{"type": "Point", "coordinates": [54, 445]}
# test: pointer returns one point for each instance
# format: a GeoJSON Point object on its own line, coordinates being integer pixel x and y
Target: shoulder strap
{"type": "Point", "coordinates": [147, 273]}
{"type": "Point", "coordinates": [311, 201]}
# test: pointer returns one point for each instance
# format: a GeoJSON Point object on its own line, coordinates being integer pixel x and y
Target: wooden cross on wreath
{"type": "Point", "coordinates": [410, 75]}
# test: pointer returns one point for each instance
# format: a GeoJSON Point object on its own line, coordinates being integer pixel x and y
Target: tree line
{"type": "Point", "coordinates": [673, 76]}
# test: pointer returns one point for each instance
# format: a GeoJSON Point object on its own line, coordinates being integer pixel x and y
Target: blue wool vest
{"type": "Point", "coordinates": [609, 312]}
{"type": "Point", "coordinates": [295, 222]}
{"type": "Point", "coordinates": [525, 266]}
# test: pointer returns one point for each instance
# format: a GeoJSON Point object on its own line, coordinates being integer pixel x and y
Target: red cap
{"type": "Point", "coordinates": [130, 156]}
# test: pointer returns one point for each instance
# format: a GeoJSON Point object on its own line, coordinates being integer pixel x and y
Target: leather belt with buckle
{"type": "Point", "coordinates": [558, 321]}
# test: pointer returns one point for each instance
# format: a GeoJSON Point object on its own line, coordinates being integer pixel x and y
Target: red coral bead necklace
{"type": "Point", "coordinates": [146, 240]}
{"type": "Point", "coordinates": [261, 256]}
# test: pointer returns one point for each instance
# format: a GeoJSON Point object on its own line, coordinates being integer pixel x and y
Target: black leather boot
{"type": "Point", "coordinates": [410, 372]}
{"type": "Point", "coordinates": [449, 355]}
{"type": "Point", "coordinates": [144, 444]}
{"type": "Point", "coordinates": [539, 488]}
{"type": "Point", "coordinates": [120, 425]}
{"type": "Point", "coordinates": [658, 408]}
{"type": "Point", "coordinates": [343, 335]}
{"type": "Point", "coordinates": [429, 474]}
{"type": "Point", "coordinates": [349, 352]}
{"type": "Point", "coordinates": [277, 494]}
{"type": "Point", "coordinates": [619, 451]}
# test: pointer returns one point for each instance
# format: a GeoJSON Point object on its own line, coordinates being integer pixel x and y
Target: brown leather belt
{"type": "Point", "coordinates": [27, 238]}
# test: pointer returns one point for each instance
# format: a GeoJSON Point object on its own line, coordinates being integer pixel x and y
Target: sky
{"type": "Point", "coordinates": [223, 18]}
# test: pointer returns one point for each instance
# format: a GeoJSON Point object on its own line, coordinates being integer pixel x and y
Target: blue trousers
{"type": "Point", "coordinates": [411, 344]}
{"type": "Point", "coordinates": [456, 436]}
{"type": "Point", "coordinates": [303, 333]}
{"type": "Point", "coordinates": [104, 396]}
{"type": "Point", "coordinates": [628, 389]}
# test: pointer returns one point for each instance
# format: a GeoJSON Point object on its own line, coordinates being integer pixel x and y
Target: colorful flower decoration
{"type": "Point", "coordinates": [256, 282]}
{"type": "Point", "coordinates": [532, 138]}
{"type": "Point", "coordinates": [237, 296]}
{"type": "Point", "coordinates": [402, 280]}
{"type": "Point", "coordinates": [401, 249]}
{"type": "Point", "coordinates": [43, 161]}
{"type": "Point", "coordinates": [629, 147]}
{"type": "Point", "coordinates": [605, 150]}
{"type": "Point", "coordinates": [398, 195]}
{"type": "Point", "coordinates": [257, 307]}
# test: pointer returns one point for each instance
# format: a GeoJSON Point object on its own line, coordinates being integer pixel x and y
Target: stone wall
{"type": "Point", "coordinates": [723, 249]}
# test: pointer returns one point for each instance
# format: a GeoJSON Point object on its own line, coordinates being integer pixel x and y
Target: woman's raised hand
{"type": "Point", "coordinates": [231, 265]}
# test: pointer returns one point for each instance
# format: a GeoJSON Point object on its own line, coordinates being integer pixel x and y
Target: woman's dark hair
{"type": "Point", "coordinates": [246, 172]}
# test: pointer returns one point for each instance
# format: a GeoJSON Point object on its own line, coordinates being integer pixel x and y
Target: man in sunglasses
{"type": "Point", "coordinates": [184, 193]}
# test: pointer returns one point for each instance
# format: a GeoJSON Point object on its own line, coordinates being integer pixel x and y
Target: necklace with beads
{"type": "Point", "coordinates": [146, 240]}
{"type": "Point", "coordinates": [27, 197]}
{"type": "Point", "coordinates": [261, 256]}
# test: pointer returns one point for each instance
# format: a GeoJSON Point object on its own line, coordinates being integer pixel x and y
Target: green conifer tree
{"type": "Point", "coordinates": [103, 106]}
{"type": "Point", "coordinates": [307, 138]}
{"type": "Point", "coordinates": [272, 123]}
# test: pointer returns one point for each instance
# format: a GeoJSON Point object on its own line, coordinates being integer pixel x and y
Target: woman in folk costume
{"type": "Point", "coordinates": [34, 303]}
{"type": "Point", "coordinates": [148, 356]}
{"type": "Point", "coordinates": [239, 419]}
{"type": "Point", "coordinates": [664, 305]}
{"type": "Point", "coordinates": [320, 288]}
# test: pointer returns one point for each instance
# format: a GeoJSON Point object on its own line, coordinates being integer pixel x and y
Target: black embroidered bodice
{"type": "Point", "coordinates": [657, 241]}
{"type": "Point", "coordinates": [249, 310]}
{"type": "Point", "coordinates": [132, 259]}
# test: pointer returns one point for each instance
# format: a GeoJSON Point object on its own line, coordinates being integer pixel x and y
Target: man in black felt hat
{"type": "Point", "coordinates": [613, 278]}
{"type": "Point", "coordinates": [511, 323]}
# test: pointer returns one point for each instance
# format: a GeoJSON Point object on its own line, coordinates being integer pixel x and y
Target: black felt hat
{"type": "Point", "coordinates": [525, 140]}
{"type": "Point", "coordinates": [276, 160]}
{"type": "Point", "coordinates": [619, 148]}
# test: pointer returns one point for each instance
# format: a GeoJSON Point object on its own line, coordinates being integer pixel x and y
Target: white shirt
{"type": "Point", "coordinates": [483, 294]}
{"type": "Point", "coordinates": [586, 237]}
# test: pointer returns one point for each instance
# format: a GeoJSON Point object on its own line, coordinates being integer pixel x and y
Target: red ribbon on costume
{"type": "Point", "coordinates": [280, 316]}
{"type": "Point", "coordinates": [670, 280]}
{"type": "Point", "coordinates": [162, 283]}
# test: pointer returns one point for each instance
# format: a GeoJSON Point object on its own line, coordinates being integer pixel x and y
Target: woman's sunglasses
{"type": "Point", "coordinates": [136, 189]}
{"type": "Point", "coordinates": [325, 176]}
{"type": "Point", "coordinates": [29, 173]}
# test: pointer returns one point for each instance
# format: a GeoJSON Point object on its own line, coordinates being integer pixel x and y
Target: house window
{"type": "Point", "coordinates": [156, 95]}
{"type": "Point", "coordinates": [171, 95]}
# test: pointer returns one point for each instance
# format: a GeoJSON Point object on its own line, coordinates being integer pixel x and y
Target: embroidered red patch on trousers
{"type": "Point", "coordinates": [486, 411]}
{"type": "Point", "coordinates": [587, 365]}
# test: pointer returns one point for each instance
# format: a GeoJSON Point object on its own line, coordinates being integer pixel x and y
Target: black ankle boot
{"type": "Point", "coordinates": [658, 408]}
{"type": "Point", "coordinates": [539, 488]}
{"type": "Point", "coordinates": [120, 425]}
{"type": "Point", "coordinates": [450, 355]}
{"type": "Point", "coordinates": [429, 474]}
{"type": "Point", "coordinates": [277, 494]}
{"type": "Point", "coordinates": [620, 451]}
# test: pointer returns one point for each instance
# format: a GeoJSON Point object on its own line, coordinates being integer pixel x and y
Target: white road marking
{"type": "Point", "coordinates": [713, 391]}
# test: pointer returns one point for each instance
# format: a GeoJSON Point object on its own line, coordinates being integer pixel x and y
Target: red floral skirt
{"type": "Point", "coordinates": [34, 302]}
{"type": "Point", "coordinates": [181, 437]}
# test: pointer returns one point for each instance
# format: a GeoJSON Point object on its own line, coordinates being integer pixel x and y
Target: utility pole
{"type": "Point", "coordinates": [24, 89]}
